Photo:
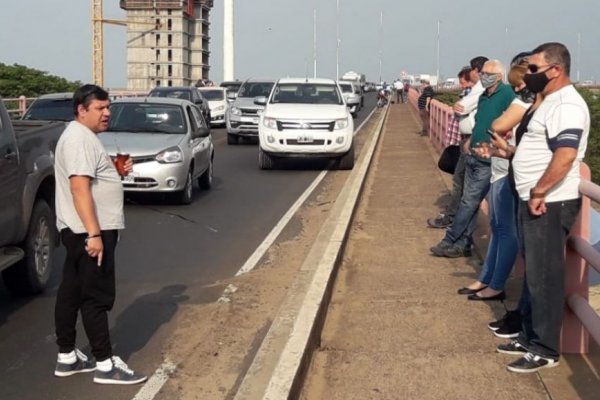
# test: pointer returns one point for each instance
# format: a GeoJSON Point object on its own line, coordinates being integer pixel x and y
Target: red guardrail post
{"type": "Point", "coordinates": [574, 336]}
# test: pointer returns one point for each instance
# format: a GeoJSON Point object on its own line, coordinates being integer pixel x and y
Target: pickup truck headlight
{"type": "Point", "coordinates": [341, 123]}
{"type": "Point", "coordinates": [219, 108]}
{"type": "Point", "coordinates": [270, 122]}
{"type": "Point", "coordinates": [169, 156]}
{"type": "Point", "coordinates": [235, 111]}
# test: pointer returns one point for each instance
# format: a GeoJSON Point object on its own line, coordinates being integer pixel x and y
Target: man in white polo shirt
{"type": "Point", "coordinates": [546, 168]}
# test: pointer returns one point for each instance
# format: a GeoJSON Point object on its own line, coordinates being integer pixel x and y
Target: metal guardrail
{"type": "Point", "coordinates": [580, 320]}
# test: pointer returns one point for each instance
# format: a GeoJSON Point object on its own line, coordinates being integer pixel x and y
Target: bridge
{"type": "Point", "coordinates": [307, 283]}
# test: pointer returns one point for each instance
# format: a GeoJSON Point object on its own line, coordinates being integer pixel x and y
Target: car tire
{"type": "Point", "coordinates": [265, 161]}
{"type": "Point", "coordinates": [206, 179]}
{"type": "Point", "coordinates": [31, 275]}
{"type": "Point", "coordinates": [185, 196]}
{"type": "Point", "coordinates": [232, 139]}
{"type": "Point", "coordinates": [346, 162]}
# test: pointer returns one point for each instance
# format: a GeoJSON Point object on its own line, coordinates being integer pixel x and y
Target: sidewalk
{"type": "Point", "coordinates": [395, 327]}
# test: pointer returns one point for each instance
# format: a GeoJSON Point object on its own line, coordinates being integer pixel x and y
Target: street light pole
{"type": "Point", "coordinates": [380, 45]}
{"type": "Point", "coordinates": [315, 43]}
{"type": "Point", "coordinates": [337, 49]}
{"type": "Point", "coordinates": [578, 55]}
{"type": "Point", "coordinates": [437, 72]}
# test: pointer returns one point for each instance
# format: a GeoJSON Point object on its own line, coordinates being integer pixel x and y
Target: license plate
{"type": "Point", "coordinates": [305, 139]}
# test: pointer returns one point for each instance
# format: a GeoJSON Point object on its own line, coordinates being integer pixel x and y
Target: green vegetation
{"type": "Point", "coordinates": [17, 80]}
{"type": "Point", "coordinates": [592, 158]}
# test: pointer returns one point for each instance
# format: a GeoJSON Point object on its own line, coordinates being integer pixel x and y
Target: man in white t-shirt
{"type": "Point", "coordinates": [398, 87]}
{"type": "Point", "coordinates": [89, 214]}
{"type": "Point", "coordinates": [546, 169]}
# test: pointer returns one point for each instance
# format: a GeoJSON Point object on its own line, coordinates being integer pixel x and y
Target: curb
{"type": "Point", "coordinates": [278, 369]}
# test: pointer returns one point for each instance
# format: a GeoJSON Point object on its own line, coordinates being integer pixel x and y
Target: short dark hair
{"type": "Point", "coordinates": [555, 53]}
{"type": "Point", "coordinates": [86, 94]}
{"type": "Point", "coordinates": [465, 73]}
{"type": "Point", "coordinates": [477, 63]}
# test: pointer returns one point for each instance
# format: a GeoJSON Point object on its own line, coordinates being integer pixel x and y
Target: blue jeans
{"type": "Point", "coordinates": [544, 238]}
{"type": "Point", "coordinates": [503, 247]}
{"type": "Point", "coordinates": [475, 188]}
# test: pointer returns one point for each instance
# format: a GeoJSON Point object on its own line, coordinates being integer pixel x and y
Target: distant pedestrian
{"type": "Point", "coordinates": [398, 87]}
{"type": "Point", "coordinates": [423, 105]}
{"type": "Point", "coordinates": [546, 170]}
{"type": "Point", "coordinates": [89, 211]}
{"type": "Point", "coordinates": [405, 91]}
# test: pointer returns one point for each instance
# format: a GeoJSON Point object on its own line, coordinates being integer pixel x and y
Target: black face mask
{"type": "Point", "coordinates": [536, 82]}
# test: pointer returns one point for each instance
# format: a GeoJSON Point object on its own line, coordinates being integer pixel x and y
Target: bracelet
{"type": "Point", "coordinates": [538, 195]}
{"type": "Point", "coordinates": [94, 236]}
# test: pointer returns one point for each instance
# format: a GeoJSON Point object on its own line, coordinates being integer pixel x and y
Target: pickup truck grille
{"type": "Point", "coordinates": [315, 125]}
{"type": "Point", "coordinates": [249, 112]}
{"type": "Point", "coordinates": [295, 142]}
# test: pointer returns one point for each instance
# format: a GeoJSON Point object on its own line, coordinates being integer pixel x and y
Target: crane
{"type": "Point", "coordinates": [98, 22]}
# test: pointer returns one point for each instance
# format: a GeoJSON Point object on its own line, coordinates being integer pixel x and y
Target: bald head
{"type": "Point", "coordinates": [493, 67]}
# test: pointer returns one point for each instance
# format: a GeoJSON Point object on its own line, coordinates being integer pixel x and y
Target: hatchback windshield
{"type": "Point", "coordinates": [306, 93]}
{"type": "Point", "coordinates": [255, 89]}
{"type": "Point", "coordinates": [143, 117]}
{"type": "Point", "coordinates": [213, 95]}
{"type": "Point", "coordinates": [51, 110]}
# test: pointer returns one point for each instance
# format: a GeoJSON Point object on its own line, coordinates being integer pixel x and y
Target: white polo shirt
{"type": "Point", "coordinates": [562, 120]}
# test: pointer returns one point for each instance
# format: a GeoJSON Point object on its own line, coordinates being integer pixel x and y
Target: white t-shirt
{"type": "Point", "coordinates": [562, 120]}
{"type": "Point", "coordinates": [398, 85]}
{"type": "Point", "coordinates": [80, 152]}
{"type": "Point", "coordinates": [469, 102]}
{"type": "Point", "coordinates": [500, 165]}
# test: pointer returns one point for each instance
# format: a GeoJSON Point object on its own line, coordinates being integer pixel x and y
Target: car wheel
{"type": "Point", "coordinates": [265, 161]}
{"type": "Point", "coordinates": [347, 160]}
{"type": "Point", "coordinates": [232, 139]}
{"type": "Point", "coordinates": [185, 196]}
{"type": "Point", "coordinates": [31, 274]}
{"type": "Point", "coordinates": [206, 179]}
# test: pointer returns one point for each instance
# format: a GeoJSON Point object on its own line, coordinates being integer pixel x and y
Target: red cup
{"type": "Point", "coordinates": [120, 163]}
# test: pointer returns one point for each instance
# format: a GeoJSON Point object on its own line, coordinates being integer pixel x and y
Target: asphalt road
{"type": "Point", "coordinates": [169, 255]}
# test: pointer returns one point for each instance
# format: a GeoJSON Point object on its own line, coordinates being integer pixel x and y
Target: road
{"type": "Point", "coordinates": [169, 255]}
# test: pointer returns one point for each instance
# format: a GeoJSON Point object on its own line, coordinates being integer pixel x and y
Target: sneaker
{"type": "Point", "coordinates": [513, 347]}
{"type": "Point", "coordinates": [510, 318]}
{"type": "Point", "coordinates": [507, 332]}
{"type": "Point", "coordinates": [82, 364]}
{"type": "Point", "coordinates": [531, 363]}
{"type": "Point", "coordinates": [438, 249]}
{"type": "Point", "coordinates": [442, 221]}
{"type": "Point", "coordinates": [456, 251]}
{"type": "Point", "coordinates": [119, 374]}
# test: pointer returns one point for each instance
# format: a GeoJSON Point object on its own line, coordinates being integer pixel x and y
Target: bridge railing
{"type": "Point", "coordinates": [580, 319]}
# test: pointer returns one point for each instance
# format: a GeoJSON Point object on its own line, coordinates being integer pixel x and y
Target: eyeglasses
{"type": "Point", "coordinates": [535, 68]}
{"type": "Point", "coordinates": [486, 74]}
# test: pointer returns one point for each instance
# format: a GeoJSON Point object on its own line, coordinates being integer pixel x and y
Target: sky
{"type": "Point", "coordinates": [274, 38]}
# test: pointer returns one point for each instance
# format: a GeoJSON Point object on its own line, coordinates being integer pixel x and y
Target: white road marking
{"type": "Point", "coordinates": [260, 251]}
{"type": "Point", "coordinates": [156, 381]}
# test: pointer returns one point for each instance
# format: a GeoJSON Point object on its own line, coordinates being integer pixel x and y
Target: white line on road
{"type": "Point", "coordinates": [156, 381]}
{"type": "Point", "coordinates": [272, 236]}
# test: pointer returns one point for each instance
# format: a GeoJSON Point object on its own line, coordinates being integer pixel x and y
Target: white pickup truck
{"type": "Point", "coordinates": [305, 118]}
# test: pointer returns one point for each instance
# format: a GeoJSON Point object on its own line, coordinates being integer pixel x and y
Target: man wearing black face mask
{"type": "Point", "coordinates": [546, 170]}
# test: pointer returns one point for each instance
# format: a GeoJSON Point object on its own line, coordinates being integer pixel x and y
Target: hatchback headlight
{"type": "Point", "coordinates": [235, 111]}
{"type": "Point", "coordinates": [341, 123]}
{"type": "Point", "coordinates": [219, 108]}
{"type": "Point", "coordinates": [169, 156]}
{"type": "Point", "coordinates": [270, 122]}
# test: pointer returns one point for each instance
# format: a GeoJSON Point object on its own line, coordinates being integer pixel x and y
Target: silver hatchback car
{"type": "Point", "coordinates": [169, 141]}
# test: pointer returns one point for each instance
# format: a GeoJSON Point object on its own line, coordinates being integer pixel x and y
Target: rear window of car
{"type": "Point", "coordinates": [172, 94]}
{"type": "Point", "coordinates": [213, 95]}
{"type": "Point", "coordinates": [51, 109]}
{"type": "Point", "coordinates": [346, 87]}
{"type": "Point", "coordinates": [255, 89]}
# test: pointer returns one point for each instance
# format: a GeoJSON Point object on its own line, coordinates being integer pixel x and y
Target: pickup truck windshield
{"type": "Point", "coordinates": [50, 110]}
{"type": "Point", "coordinates": [147, 118]}
{"type": "Point", "coordinates": [213, 95]}
{"type": "Point", "coordinates": [306, 93]}
{"type": "Point", "coordinates": [255, 89]}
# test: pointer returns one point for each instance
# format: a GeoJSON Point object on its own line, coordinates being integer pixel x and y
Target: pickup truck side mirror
{"type": "Point", "coordinates": [260, 101]}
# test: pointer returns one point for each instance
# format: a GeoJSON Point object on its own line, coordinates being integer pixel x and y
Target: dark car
{"type": "Point", "coordinates": [186, 93]}
{"type": "Point", "coordinates": [51, 107]}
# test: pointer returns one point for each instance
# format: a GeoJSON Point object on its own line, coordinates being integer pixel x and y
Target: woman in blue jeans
{"type": "Point", "coordinates": [503, 246]}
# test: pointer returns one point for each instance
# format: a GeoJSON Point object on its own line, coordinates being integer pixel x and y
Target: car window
{"type": "Point", "coordinates": [213, 95]}
{"type": "Point", "coordinates": [346, 87]}
{"type": "Point", "coordinates": [255, 89]}
{"type": "Point", "coordinates": [173, 94]}
{"type": "Point", "coordinates": [197, 117]}
{"type": "Point", "coordinates": [51, 109]}
{"type": "Point", "coordinates": [147, 118]}
{"type": "Point", "coordinates": [306, 93]}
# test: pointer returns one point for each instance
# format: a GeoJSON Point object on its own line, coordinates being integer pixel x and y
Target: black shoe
{"type": "Point", "coordinates": [513, 347]}
{"type": "Point", "coordinates": [442, 221]}
{"type": "Point", "coordinates": [512, 318]}
{"type": "Point", "coordinates": [508, 332]}
{"type": "Point", "coordinates": [81, 364]}
{"type": "Point", "coordinates": [497, 297]}
{"type": "Point", "coordinates": [119, 374]}
{"type": "Point", "coordinates": [466, 290]}
{"type": "Point", "coordinates": [438, 249]}
{"type": "Point", "coordinates": [457, 251]}
{"type": "Point", "coordinates": [531, 363]}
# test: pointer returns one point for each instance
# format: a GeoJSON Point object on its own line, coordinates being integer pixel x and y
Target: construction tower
{"type": "Point", "coordinates": [174, 52]}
